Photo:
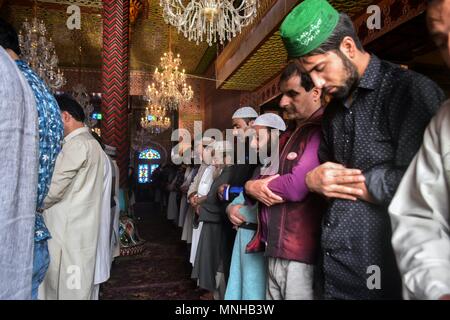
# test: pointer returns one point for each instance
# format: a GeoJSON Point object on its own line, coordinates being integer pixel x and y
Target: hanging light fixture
{"type": "Point", "coordinates": [79, 92]}
{"type": "Point", "coordinates": [156, 110]}
{"type": "Point", "coordinates": [215, 19]}
{"type": "Point", "coordinates": [155, 124]}
{"type": "Point", "coordinates": [170, 89]}
{"type": "Point", "coordinates": [39, 52]}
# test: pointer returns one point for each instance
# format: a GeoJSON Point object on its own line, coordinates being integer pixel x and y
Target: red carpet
{"type": "Point", "coordinates": [162, 271]}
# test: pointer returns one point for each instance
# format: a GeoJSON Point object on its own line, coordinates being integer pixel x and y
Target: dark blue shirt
{"type": "Point", "coordinates": [379, 132]}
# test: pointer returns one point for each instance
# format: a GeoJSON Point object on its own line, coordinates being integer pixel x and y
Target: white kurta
{"type": "Point", "coordinates": [103, 258]}
{"type": "Point", "coordinates": [420, 215]}
{"type": "Point", "coordinates": [115, 211]}
{"type": "Point", "coordinates": [73, 211]}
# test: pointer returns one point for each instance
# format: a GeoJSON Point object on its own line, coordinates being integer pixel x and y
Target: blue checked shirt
{"type": "Point", "coordinates": [51, 135]}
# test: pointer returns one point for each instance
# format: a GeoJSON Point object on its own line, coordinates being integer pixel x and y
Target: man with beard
{"type": "Point", "coordinates": [420, 210]}
{"type": "Point", "coordinates": [290, 214]}
{"type": "Point", "coordinates": [248, 271]}
{"type": "Point", "coordinates": [242, 120]}
{"type": "Point", "coordinates": [372, 129]}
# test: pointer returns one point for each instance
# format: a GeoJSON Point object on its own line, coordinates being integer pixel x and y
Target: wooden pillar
{"type": "Point", "coordinates": [115, 78]}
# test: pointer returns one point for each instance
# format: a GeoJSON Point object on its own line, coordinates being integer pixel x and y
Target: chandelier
{"type": "Point", "coordinates": [155, 124]}
{"type": "Point", "coordinates": [156, 110]}
{"type": "Point", "coordinates": [79, 93]}
{"type": "Point", "coordinates": [39, 52]}
{"type": "Point", "coordinates": [171, 88]}
{"type": "Point", "coordinates": [215, 19]}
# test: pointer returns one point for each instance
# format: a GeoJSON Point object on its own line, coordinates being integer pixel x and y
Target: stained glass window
{"type": "Point", "coordinates": [143, 173]}
{"type": "Point", "coordinates": [153, 168]}
{"type": "Point", "coordinates": [149, 154]}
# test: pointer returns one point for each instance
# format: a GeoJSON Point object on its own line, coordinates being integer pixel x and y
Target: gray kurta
{"type": "Point", "coordinates": [420, 214]}
{"type": "Point", "coordinates": [18, 180]}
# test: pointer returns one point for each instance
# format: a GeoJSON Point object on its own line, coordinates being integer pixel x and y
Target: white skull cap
{"type": "Point", "coordinates": [244, 113]}
{"type": "Point", "coordinates": [270, 120]}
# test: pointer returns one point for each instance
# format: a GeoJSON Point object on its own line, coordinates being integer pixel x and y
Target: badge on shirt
{"type": "Point", "coordinates": [292, 156]}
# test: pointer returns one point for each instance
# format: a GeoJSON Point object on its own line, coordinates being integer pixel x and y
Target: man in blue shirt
{"type": "Point", "coordinates": [50, 137]}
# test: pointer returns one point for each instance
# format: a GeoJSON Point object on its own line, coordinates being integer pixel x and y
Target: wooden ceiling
{"type": "Point", "coordinates": [150, 39]}
{"type": "Point", "coordinates": [270, 57]}
{"type": "Point", "coordinates": [149, 35]}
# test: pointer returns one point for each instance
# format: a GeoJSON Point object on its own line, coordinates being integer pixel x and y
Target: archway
{"type": "Point", "coordinates": [147, 160]}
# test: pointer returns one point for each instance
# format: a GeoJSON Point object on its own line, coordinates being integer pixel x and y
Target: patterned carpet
{"type": "Point", "coordinates": [162, 271]}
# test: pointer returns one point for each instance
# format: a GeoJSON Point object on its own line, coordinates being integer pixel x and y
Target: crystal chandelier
{"type": "Point", "coordinates": [39, 52]}
{"type": "Point", "coordinates": [156, 110]}
{"type": "Point", "coordinates": [217, 19]}
{"type": "Point", "coordinates": [155, 124]}
{"type": "Point", "coordinates": [171, 88]}
{"type": "Point", "coordinates": [79, 93]}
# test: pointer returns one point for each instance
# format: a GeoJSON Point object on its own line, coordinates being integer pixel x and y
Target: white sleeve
{"type": "Point", "coordinates": [420, 216]}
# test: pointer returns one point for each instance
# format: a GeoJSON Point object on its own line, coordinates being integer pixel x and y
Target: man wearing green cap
{"type": "Point", "coordinates": [372, 129]}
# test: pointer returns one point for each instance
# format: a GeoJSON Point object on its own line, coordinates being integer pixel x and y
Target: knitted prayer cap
{"type": "Point", "coordinates": [244, 113]}
{"type": "Point", "coordinates": [270, 120]}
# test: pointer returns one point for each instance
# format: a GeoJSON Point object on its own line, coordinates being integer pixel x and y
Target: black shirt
{"type": "Point", "coordinates": [379, 132]}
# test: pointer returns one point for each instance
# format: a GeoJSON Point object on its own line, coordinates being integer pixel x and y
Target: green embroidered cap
{"type": "Point", "coordinates": [307, 26]}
